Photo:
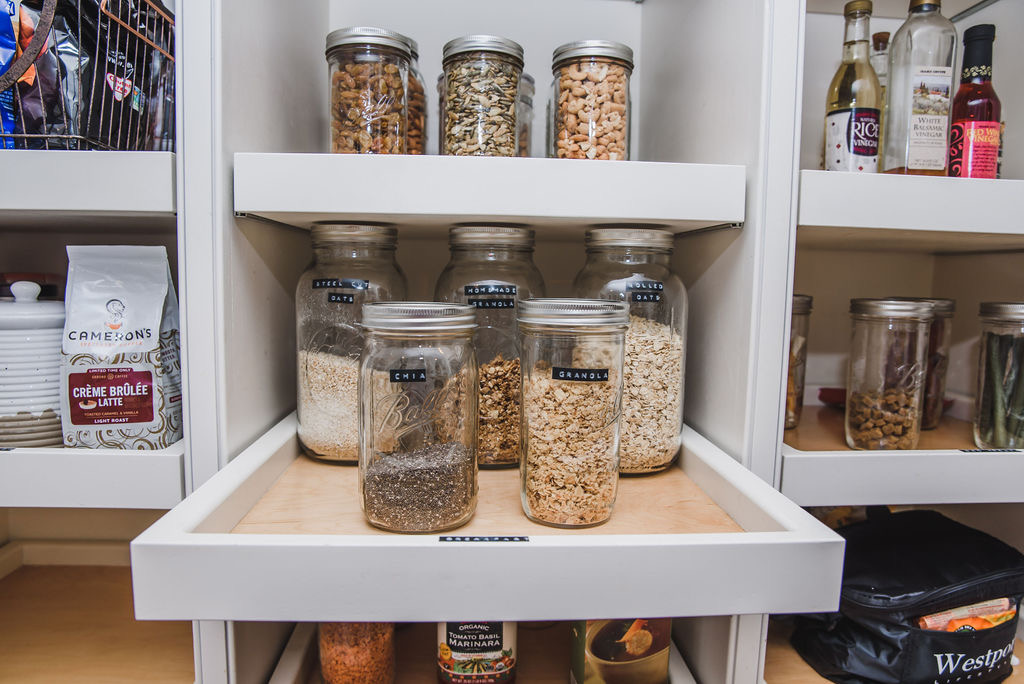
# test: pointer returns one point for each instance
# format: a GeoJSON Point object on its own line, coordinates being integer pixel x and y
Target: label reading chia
{"type": "Point", "coordinates": [500, 303]}
{"type": "Point", "coordinates": [408, 374]}
{"type": "Point", "coordinates": [343, 283]}
{"type": "Point", "coordinates": [645, 290]}
{"type": "Point", "coordinates": [580, 374]}
{"type": "Point", "coordinates": [340, 298]}
{"type": "Point", "coordinates": [489, 290]}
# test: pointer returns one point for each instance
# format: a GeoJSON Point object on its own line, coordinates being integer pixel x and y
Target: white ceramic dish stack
{"type": "Point", "coordinates": [30, 340]}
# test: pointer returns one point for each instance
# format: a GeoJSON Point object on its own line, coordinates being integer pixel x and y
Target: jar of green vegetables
{"type": "Point", "coordinates": [999, 401]}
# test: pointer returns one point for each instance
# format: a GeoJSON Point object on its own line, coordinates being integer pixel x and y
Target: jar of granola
{"type": "Point", "coordinates": [572, 357]}
{"type": "Point", "coordinates": [590, 96]}
{"type": "Point", "coordinates": [492, 269]}
{"type": "Point", "coordinates": [357, 652]}
{"type": "Point", "coordinates": [799, 326]}
{"type": "Point", "coordinates": [482, 75]}
{"type": "Point", "coordinates": [885, 380]}
{"type": "Point", "coordinates": [369, 70]}
{"type": "Point", "coordinates": [631, 265]}
{"type": "Point", "coordinates": [352, 265]}
{"type": "Point", "coordinates": [417, 412]}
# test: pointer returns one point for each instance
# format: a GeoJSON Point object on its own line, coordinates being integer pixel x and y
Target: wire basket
{"type": "Point", "coordinates": [91, 74]}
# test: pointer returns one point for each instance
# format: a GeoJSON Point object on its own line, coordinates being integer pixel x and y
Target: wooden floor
{"type": "Point", "coordinates": [74, 624]}
{"type": "Point", "coordinates": [821, 428]}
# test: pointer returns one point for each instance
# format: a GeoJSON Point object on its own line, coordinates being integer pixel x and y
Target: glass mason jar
{"type": "Point", "coordinates": [417, 413]}
{"type": "Point", "coordinates": [999, 400]}
{"type": "Point", "coordinates": [799, 324]}
{"type": "Point", "coordinates": [938, 358]}
{"type": "Point", "coordinates": [482, 76]}
{"type": "Point", "coordinates": [369, 69]}
{"type": "Point", "coordinates": [886, 376]}
{"type": "Point", "coordinates": [440, 111]}
{"type": "Point", "coordinates": [357, 652]}
{"type": "Point", "coordinates": [572, 392]}
{"type": "Point", "coordinates": [416, 132]}
{"type": "Point", "coordinates": [524, 115]}
{"type": "Point", "coordinates": [492, 269]}
{"type": "Point", "coordinates": [632, 265]}
{"type": "Point", "coordinates": [591, 95]}
{"type": "Point", "coordinates": [352, 265]}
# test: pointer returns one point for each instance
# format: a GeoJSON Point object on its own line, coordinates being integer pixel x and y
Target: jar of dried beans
{"type": "Point", "coordinates": [572, 392]}
{"type": "Point", "coordinates": [482, 76]}
{"type": "Point", "coordinates": [631, 265]}
{"type": "Point", "coordinates": [886, 376]}
{"type": "Point", "coordinates": [938, 358]}
{"type": "Point", "coordinates": [417, 411]}
{"type": "Point", "coordinates": [357, 652]}
{"type": "Point", "coordinates": [492, 269]}
{"type": "Point", "coordinates": [799, 326]}
{"type": "Point", "coordinates": [999, 400]}
{"type": "Point", "coordinates": [591, 108]}
{"type": "Point", "coordinates": [352, 265]}
{"type": "Point", "coordinates": [524, 117]}
{"type": "Point", "coordinates": [369, 70]}
{"type": "Point", "coordinates": [416, 133]}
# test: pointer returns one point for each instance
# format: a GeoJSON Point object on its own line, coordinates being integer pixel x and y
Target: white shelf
{"type": "Point", "coordinates": [92, 478]}
{"type": "Point", "coordinates": [543, 657]}
{"type": "Point", "coordinates": [58, 189]}
{"type": "Point", "coordinates": [189, 565]}
{"type": "Point", "coordinates": [819, 470]}
{"type": "Point", "coordinates": [908, 213]}
{"type": "Point", "coordinates": [556, 195]}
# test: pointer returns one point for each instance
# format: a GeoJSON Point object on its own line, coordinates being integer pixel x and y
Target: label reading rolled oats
{"type": "Point", "coordinates": [408, 374]}
{"type": "Point", "coordinates": [489, 290]}
{"type": "Point", "coordinates": [580, 374]}
{"type": "Point", "coordinates": [343, 283]}
{"type": "Point", "coordinates": [642, 291]}
{"type": "Point", "coordinates": [340, 298]}
{"type": "Point", "coordinates": [501, 303]}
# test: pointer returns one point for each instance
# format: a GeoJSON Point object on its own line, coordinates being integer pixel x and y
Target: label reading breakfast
{"type": "Point", "coordinates": [108, 396]}
{"type": "Point", "coordinates": [340, 298]}
{"type": "Point", "coordinates": [342, 283]}
{"type": "Point", "coordinates": [580, 374]}
{"type": "Point", "coordinates": [408, 374]}
{"type": "Point", "coordinates": [500, 303]}
{"type": "Point", "coordinates": [489, 290]}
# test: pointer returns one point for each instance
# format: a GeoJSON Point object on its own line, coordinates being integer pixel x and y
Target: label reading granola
{"type": "Point", "coordinates": [344, 283]}
{"type": "Point", "coordinates": [580, 374]}
{"type": "Point", "coordinates": [340, 298]}
{"type": "Point", "coordinates": [408, 374]}
{"type": "Point", "coordinates": [104, 396]}
{"type": "Point", "coordinates": [500, 303]}
{"type": "Point", "coordinates": [929, 120]}
{"type": "Point", "coordinates": [489, 290]}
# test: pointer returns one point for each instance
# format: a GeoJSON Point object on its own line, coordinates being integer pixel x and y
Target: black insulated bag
{"type": "Point", "coordinates": [903, 566]}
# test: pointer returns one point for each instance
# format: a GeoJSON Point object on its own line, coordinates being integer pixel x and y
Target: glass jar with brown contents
{"type": "Point", "coordinates": [799, 326]}
{"type": "Point", "coordinates": [357, 652]}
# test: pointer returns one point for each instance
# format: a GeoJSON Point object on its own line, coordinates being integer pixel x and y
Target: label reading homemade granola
{"type": "Point", "coordinates": [500, 303]}
{"type": "Point", "coordinates": [489, 290]}
{"type": "Point", "coordinates": [343, 283]}
{"type": "Point", "coordinates": [408, 374]}
{"type": "Point", "coordinates": [340, 298]}
{"type": "Point", "coordinates": [580, 374]}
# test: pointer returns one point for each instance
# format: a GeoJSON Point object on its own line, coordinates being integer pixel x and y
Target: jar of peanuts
{"type": "Point", "coordinates": [417, 129]}
{"type": "Point", "coordinates": [369, 71]}
{"type": "Point", "coordinates": [482, 75]}
{"type": "Point", "coordinates": [591, 100]}
{"type": "Point", "coordinates": [357, 652]}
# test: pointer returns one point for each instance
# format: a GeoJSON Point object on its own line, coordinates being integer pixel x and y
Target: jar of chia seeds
{"type": "Point", "coordinates": [417, 413]}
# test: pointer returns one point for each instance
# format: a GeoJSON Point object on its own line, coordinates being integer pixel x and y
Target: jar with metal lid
{"type": "Point", "coordinates": [492, 269]}
{"type": "Point", "coordinates": [631, 265]}
{"type": "Point", "coordinates": [482, 75]}
{"type": "Point", "coordinates": [590, 92]}
{"type": "Point", "coordinates": [799, 325]}
{"type": "Point", "coordinates": [938, 358]}
{"type": "Point", "coordinates": [352, 265]}
{"type": "Point", "coordinates": [572, 396]}
{"type": "Point", "coordinates": [369, 70]}
{"type": "Point", "coordinates": [524, 115]}
{"type": "Point", "coordinates": [999, 400]}
{"type": "Point", "coordinates": [416, 132]}
{"type": "Point", "coordinates": [357, 652]}
{"type": "Point", "coordinates": [417, 412]}
{"type": "Point", "coordinates": [886, 376]}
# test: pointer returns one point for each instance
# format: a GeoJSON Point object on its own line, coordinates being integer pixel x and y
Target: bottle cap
{"type": "Point", "coordinates": [802, 304]}
{"type": "Point", "coordinates": [880, 40]}
{"type": "Point", "coordinates": [980, 32]}
{"type": "Point", "coordinates": [914, 4]}
{"type": "Point", "coordinates": [857, 6]}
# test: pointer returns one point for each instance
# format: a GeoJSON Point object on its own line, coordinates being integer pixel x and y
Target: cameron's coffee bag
{"type": "Point", "coordinates": [120, 367]}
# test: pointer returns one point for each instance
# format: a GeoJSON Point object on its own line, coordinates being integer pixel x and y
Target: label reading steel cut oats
{"type": "Point", "coordinates": [580, 374]}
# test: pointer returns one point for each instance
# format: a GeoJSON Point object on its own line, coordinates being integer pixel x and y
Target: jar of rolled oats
{"type": "Point", "coordinates": [492, 269]}
{"type": "Point", "coordinates": [352, 265]}
{"type": "Point", "coordinates": [417, 412]}
{"type": "Point", "coordinates": [590, 92]}
{"type": "Point", "coordinates": [572, 359]}
{"type": "Point", "coordinates": [631, 265]}
{"type": "Point", "coordinates": [369, 71]}
{"type": "Point", "coordinates": [482, 75]}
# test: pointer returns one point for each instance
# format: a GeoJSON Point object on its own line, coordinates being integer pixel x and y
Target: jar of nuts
{"type": "Point", "coordinates": [369, 70]}
{"type": "Point", "coordinates": [482, 75]}
{"type": "Point", "coordinates": [591, 106]}
{"type": "Point", "coordinates": [572, 392]}
{"type": "Point", "coordinates": [631, 265]}
{"type": "Point", "coordinates": [886, 376]}
{"type": "Point", "coordinates": [357, 652]}
{"type": "Point", "coordinates": [417, 128]}
{"type": "Point", "coordinates": [527, 89]}
{"type": "Point", "coordinates": [799, 326]}
{"type": "Point", "coordinates": [492, 269]}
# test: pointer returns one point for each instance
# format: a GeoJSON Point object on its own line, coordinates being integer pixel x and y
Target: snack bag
{"type": "Point", "coordinates": [972, 618]}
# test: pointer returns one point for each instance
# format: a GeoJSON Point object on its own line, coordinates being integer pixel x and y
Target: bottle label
{"type": "Point", "coordinates": [974, 149]}
{"type": "Point", "coordinates": [929, 119]}
{"type": "Point", "coordinates": [851, 140]}
{"type": "Point", "coordinates": [479, 652]}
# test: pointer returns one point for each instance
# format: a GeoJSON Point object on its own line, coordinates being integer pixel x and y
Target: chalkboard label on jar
{"type": "Point", "coordinates": [645, 290]}
{"type": "Point", "coordinates": [340, 298]}
{"type": "Point", "coordinates": [340, 283]}
{"type": "Point", "coordinates": [408, 374]}
{"type": "Point", "coordinates": [643, 297]}
{"type": "Point", "coordinates": [500, 303]}
{"type": "Point", "coordinates": [489, 290]}
{"type": "Point", "coordinates": [580, 374]}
